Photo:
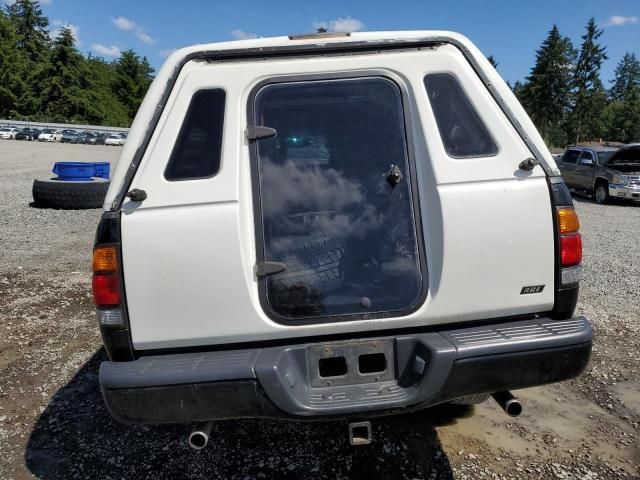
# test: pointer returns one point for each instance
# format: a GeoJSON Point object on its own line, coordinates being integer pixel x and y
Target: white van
{"type": "Point", "coordinates": [333, 225]}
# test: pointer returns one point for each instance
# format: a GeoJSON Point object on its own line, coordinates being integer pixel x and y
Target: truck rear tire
{"type": "Point", "coordinates": [601, 194]}
{"type": "Point", "coordinates": [65, 195]}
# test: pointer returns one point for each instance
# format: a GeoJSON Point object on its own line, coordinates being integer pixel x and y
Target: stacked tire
{"type": "Point", "coordinates": [70, 195]}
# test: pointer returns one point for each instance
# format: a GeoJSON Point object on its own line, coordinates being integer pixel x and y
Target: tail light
{"type": "Point", "coordinates": [106, 278]}
{"type": "Point", "coordinates": [108, 289]}
{"type": "Point", "coordinates": [568, 250]}
{"type": "Point", "coordinates": [570, 239]}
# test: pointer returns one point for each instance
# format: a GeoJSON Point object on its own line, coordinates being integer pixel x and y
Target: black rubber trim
{"type": "Point", "coordinates": [566, 300]}
{"type": "Point", "coordinates": [413, 187]}
{"type": "Point", "coordinates": [316, 49]}
{"type": "Point", "coordinates": [117, 343]}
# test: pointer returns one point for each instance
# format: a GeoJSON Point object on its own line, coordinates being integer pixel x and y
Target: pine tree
{"type": "Point", "coordinates": [107, 109]}
{"type": "Point", "coordinates": [31, 28]}
{"type": "Point", "coordinates": [547, 92]}
{"type": "Point", "coordinates": [627, 77]}
{"type": "Point", "coordinates": [12, 84]}
{"type": "Point", "coordinates": [622, 115]}
{"type": "Point", "coordinates": [65, 82]}
{"type": "Point", "coordinates": [133, 77]}
{"type": "Point", "coordinates": [493, 61]}
{"type": "Point", "coordinates": [586, 120]}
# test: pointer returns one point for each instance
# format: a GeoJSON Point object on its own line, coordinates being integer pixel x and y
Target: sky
{"type": "Point", "coordinates": [511, 31]}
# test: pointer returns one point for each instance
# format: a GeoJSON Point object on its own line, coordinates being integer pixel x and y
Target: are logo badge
{"type": "Point", "coordinates": [531, 289]}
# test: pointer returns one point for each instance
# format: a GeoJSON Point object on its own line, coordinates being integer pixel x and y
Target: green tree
{"type": "Point", "coordinates": [106, 108]}
{"type": "Point", "coordinates": [546, 95]}
{"type": "Point", "coordinates": [64, 95]}
{"type": "Point", "coordinates": [586, 121]}
{"type": "Point", "coordinates": [133, 77]}
{"type": "Point", "coordinates": [31, 28]}
{"type": "Point", "coordinates": [493, 61]}
{"type": "Point", "coordinates": [622, 115]}
{"type": "Point", "coordinates": [627, 77]}
{"type": "Point", "coordinates": [12, 84]}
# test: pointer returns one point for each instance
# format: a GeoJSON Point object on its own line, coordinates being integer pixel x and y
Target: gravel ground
{"type": "Point", "coordinates": [54, 425]}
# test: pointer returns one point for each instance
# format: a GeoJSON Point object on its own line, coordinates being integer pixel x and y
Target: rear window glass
{"type": "Point", "coordinates": [336, 204]}
{"type": "Point", "coordinates": [198, 148]}
{"type": "Point", "coordinates": [463, 133]}
{"type": "Point", "coordinates": [571, 156]}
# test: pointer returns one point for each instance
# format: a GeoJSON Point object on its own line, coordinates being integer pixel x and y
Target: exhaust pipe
{"type": "Point", "coordinates": [510, 404]}
{"type": "Point", "coordinates": [199, 437]}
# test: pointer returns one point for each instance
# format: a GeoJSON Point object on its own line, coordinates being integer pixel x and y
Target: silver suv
{"type": "Point", "coordinates": [603, 172]}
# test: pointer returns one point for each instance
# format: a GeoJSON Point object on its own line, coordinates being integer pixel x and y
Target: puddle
{"type": "Point", "coordinates": [554, 423]}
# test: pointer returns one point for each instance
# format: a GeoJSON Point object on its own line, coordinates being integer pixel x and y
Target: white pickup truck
{"type": "Point", "coordinates": [333, 225]}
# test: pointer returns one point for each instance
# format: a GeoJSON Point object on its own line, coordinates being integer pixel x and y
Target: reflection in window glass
{"type": "Point", "coordinates": [463, 133]}
{"type": "Point", "coordinates": [345, 232]}
{"type": "Point", "coordinates": [571, 156]}
{"type": "Point", "coordinates": [198, 147]}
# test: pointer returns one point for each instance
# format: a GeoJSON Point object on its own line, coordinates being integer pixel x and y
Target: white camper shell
{"type": "Point", "coordinates": [302, 223]}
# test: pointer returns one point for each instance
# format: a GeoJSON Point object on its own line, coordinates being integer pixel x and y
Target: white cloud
{"type": "Point", "coordinates": [618, 20]}
{"type": "Point", "coordinates": [128, 25]}
{"type": "Point", "coordinates": [59, 25]}
{"type": "Point", "coordinates": [107, 51]}
{"type": "Point", "coordinates": [166, 53]}
{"type": "Point", "coordinates": [145, 37]}
{"type": "Point", "coordinates": [242, 35]}
{"type": "Point", "coordinates": [124, 23]}
{"type": "Point", "coordinates": [342, 24]}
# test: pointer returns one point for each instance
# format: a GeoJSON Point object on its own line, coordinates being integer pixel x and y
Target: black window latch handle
{"type": "Point", "coordinates": [262, 269]}
{"type": "Point", "coordinates": [137, 195]}
{"type": "Point", "coordinates": [256, 132]}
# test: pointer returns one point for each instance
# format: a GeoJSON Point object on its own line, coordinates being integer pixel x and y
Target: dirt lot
{"type": "Point", "coordinates": [54, 425]}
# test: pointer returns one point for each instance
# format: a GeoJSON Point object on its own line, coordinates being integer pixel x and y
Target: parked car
{"type": "Point", "coordinates": [114, 140]}
{"type": "Point", "coordinates": [71, 136]}
{"type": "Point", "coordinates": [8, 133]}
{"type": "Point", "coordinates": [28, 134]}
{"type": "Point", "coordinates": [50, 135]}
{"type": "Point", "coordinates": [89, 138]}
{"type": "Point", "coordinates": [302, 240]}
{"type": "Point", "coordinates": [603, 172]}
{"type": "Point", "coordinates": [101, 137]}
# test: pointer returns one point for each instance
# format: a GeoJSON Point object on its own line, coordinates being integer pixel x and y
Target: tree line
{"type": "Point", "coordinates": [48, 79]}
{"type": "Point", "coordinates": [566, 98]}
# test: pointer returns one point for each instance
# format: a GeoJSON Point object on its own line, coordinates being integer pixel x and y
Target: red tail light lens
{"type": "Point", "coordinates": [570, 250]}
{"type": "Point", "coordinates": [106, 290]}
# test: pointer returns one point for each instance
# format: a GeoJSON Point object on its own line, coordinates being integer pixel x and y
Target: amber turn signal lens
{"type": "Point", "coordinates": [568, 220]}
{"type": "Point", "coordinates": [105, 260]}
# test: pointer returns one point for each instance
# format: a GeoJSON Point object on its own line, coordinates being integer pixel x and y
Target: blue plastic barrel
{"type": "Point", "coordinates": [81, 171]}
